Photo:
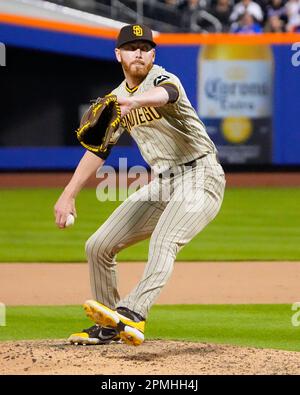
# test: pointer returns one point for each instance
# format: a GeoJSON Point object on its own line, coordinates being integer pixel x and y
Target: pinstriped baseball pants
{"type": "Point", "coordinates": [171, 211]}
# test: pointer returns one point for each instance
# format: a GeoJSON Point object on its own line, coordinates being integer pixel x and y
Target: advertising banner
{"type": "Point", "coordinates": [235, 89]}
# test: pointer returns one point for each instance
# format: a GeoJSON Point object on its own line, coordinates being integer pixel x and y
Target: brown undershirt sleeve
{"type": "Point", "coordinates": [172, 91]}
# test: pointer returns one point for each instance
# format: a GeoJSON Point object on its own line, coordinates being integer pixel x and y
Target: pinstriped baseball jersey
{"type": "Point", "coordinates": [168, 135]}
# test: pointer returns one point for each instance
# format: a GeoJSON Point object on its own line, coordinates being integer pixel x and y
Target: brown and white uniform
{"type": "Point", "coordinates": [185, 194]}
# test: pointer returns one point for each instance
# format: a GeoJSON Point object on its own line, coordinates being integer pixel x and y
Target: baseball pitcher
{"type": "Point", "coordinates": [184, 196]}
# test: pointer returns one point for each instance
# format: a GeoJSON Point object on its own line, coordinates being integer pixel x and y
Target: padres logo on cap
{"type": "Point", "coordinates": [137, 30]}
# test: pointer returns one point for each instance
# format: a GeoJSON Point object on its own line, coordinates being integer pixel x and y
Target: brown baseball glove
{"type": "Point", "coordinates": [99, 123]}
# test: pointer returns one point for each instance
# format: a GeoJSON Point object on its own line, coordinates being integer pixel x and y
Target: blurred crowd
{"type": "Point", "coordinates": [240, 16]}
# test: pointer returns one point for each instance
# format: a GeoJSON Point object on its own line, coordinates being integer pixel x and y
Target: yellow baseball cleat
{"type": "Point", "coordinates": [130, 325]}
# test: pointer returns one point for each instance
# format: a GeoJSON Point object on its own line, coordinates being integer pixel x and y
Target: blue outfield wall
{"type": "Point", "coordinates": [286, 110]}
{"type": "Point", "coordinates": [63, 158]}
{"type": "Point", "coordinates": [64, 43]}
{"type": "Point", "coordinates": [182, 60]}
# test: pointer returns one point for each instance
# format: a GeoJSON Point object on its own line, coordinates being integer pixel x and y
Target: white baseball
{"type": "Point", "coordinates": [70, 220]}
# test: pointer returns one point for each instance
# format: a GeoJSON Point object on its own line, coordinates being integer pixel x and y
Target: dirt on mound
{"type": "Point", "coordinates": [152, 357]}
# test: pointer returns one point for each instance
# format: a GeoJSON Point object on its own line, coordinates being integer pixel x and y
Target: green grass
{"type": "Point", "coordinates": [254, 224]}
{"type": "Point", "coordinates": [263, 326]}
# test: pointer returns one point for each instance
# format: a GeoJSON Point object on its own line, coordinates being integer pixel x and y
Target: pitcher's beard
{"type": "Point", "coordinates": [137, 71]}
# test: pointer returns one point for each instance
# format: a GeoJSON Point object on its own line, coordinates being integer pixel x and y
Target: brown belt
{"type": "Point", "coordinates": [192, 163]}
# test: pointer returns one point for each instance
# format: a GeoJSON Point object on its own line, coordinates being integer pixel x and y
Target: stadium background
{"type": "Point", "coordinates": [53, 68]}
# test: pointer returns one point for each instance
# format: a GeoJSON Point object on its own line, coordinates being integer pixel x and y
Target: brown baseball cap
{"type": "Point", "coordinates": [130, 33]}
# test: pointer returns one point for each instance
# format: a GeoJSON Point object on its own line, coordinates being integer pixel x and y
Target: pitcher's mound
{"type": "Point", "coordinates": [152, 357]}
